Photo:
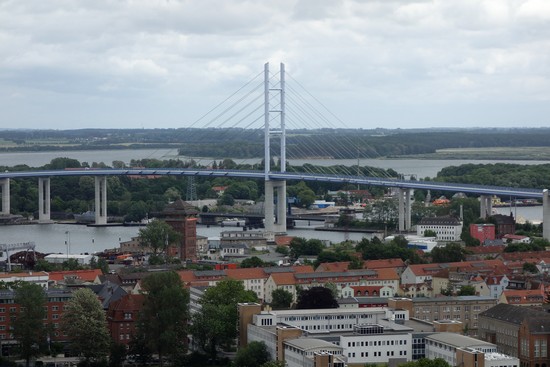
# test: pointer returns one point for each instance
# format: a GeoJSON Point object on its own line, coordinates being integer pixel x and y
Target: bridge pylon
{"type": "Point", "coordinates": [274, 208]}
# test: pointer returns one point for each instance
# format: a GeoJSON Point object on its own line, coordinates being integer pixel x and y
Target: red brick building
{"type": "Point", "coordinates": [182, 217]}
{"type": "Point", "coordinates": [55, 305]}
{"type": "Point", "coordinates": [482, 232]}
{"type": "Point", "coordinates": [122, 316]}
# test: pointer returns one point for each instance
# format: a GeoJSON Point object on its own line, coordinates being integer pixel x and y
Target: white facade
{"type": "Point", "coordinates": [39, 277]}
{"type": "Point", "coordinates": [60, 258]}
{"type": "Point", "coordinates": [409, 277]}
{"type": "Point", "coordinates": [445, 346]}
{"type": "Point", "coordinates": [300, 352]}
{"type": "Point", "coordinates": [376, 347]}
{"type": "Point", "coordinates": [445, 228]}
{"type": "Point", "coordinates": [324, 321]}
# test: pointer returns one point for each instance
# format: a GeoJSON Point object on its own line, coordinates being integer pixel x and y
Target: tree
{"type": "Point", "coordinates": [84, 321]}
{"type": "Point", "coordinates": [467, 290]}
{"type": "Point", "coordinates": [530, 268]}
{"type": "Point", "coordinates": [117, 354]}
{"type": "Point", "coordinates": [158, 235]}
{"type": "Point", "coordinates": [281, 299]}
{"type": "Point", "coordinates": [300, 246]}
{"type": "Point", "coordinates": [252, 355]}
{"type": "Point", "coordinates": [251, 262]}
{"type": "Point", "coordinates": [274, 364]}
{"type": "Point", "coordinates": [214, 325]}
{"type": "Point", "coordinates": [28, 327]}
{"type": "Point", "coordinates": [451, 252]}
{"type": "Point", "coordinates": [430, 233]}
{"type": "Point", "coordinates": [316, 297]}
{"type": "Point", "coordinates": [163, 318]}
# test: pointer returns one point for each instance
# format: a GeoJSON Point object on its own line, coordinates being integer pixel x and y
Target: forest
{"type": "Point", "coordinates": [248, 143]}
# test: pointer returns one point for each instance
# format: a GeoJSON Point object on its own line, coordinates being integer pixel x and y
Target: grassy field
{"type": "Point", "coordinates": [500, 153]}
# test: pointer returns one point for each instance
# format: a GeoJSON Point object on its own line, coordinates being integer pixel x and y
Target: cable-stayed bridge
{"type": "Point", "coordinates": [273, 113]}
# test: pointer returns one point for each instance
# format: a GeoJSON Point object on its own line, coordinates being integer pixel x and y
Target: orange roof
{"type": "Point", "coordinates": [464, 266]}
{"type": "Point", "coordinates": [487, 249]}
{"type": "Point", "coordinates": [302, 269]}
{"type": "Point", "coordinates": [384, 263]}
{"type": "Point", "coordinates": [24, 275]}
{"type": "Point", "coordinates": [283, 278]}
{"type": "Point", "coordinates": [283, 240]}
{"type": "Point", "coordinates": [524, 296]}
{"type": "Point", "coordinates": [186, 276]}
{"type": "Point", "coordinates": [335, 266]}
{"type": "Point", "coordinates": [511, 256]}
{"type": "Point", "coordinates": [88, 275]}
{"type": "Point", "coordinates": [246, 273]}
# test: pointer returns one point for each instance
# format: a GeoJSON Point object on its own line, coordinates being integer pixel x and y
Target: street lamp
{"type": "Point", "coordinates": [68, 243]}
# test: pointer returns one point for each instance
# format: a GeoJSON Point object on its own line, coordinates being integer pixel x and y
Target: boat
{"type": "Point", "coordinates": [233, 222]}
{"type": "Point", "coordinates": [86, 217]}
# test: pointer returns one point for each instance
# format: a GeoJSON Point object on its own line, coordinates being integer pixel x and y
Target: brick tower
{"type": "Point", "coordinates": [182, 217]}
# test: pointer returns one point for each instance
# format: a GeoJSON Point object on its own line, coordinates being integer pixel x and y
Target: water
{"type": "Point", "coordinates": [79, 239]}
{"type": "Point", "coordinates": [58, 237]}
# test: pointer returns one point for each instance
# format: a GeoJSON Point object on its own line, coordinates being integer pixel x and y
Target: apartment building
{"type": "Point", "coordinates": [465, 309]}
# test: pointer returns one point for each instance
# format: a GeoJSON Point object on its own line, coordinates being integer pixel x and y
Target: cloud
{"type": "Point", "coordinates": [386, 56]}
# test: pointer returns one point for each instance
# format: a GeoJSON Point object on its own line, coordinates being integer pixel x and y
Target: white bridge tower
{"type": "Point", "coordinates": [275, 190]}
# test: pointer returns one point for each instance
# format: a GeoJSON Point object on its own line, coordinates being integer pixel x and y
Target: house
{"type": "Point", "coordinates": [505, 224]}
{"type": "Point", "coordinates": [483, 232]}
{"type": "Point", "coordinates": [523, 297]}
{"type": "Point", "coordinates": [253, 279]}
{"type": "Point", "coordinates": [56, 303]}
{"type": "Point", "coordinates": [76, 277]}
{"type": "Point", "coordinates": [416, 290]}
{"type": "Point", "coordinates": [496, 284]}
{"type": "Point", "coordinates": [447, 228]}
{"type": "Point", "coordinates": [233, 250]}
{"type": "Point", "coordinates": [514, 238]}
{"type": "Point", "coordinates": [37, 277]}
{"type": "Point", "coordinates": [420, 273]}
{"type": "Point", "coordinates": [522, 332]}
{"type": "Point", "coordinates": [484, 252]}
{"type": "Point", "coordinates": [122, 316]}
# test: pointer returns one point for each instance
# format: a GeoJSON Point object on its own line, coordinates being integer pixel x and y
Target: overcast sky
{"type": "Point", "coordinates": [390, 63]}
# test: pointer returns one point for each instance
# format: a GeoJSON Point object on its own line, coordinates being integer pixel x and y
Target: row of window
{"type": "Point", "coordinates": [376, 343]}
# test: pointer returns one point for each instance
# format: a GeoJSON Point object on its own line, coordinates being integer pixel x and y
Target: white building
{"type": "Point", "coordinates": [446, 228]}
{"type": "Point", "coordinates": [328, 320]}
{"type": "Point", "coordinates": [302, 351]}
{"type": "Point", "coordinates": [61, 258]}
{"type": "Point", "coordinates": [377, 343]}
{"type": "Point", "coordinates": [38, 277]}
{"type": "Point", "coordinates": [456, 348]}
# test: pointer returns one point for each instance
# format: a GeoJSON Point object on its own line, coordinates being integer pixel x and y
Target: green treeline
{"type": "Point", "coordinates": [248, 143]}
{"type": "Point", "coordinates": [498, 174]}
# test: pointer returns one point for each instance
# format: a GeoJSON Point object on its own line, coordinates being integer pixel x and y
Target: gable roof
{"type": "Point", "coordinates": [87, 275]}
{"type": "Point", "coordinates": [512, 314]}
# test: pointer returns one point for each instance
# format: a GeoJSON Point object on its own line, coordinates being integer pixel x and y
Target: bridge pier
{"type": "Point", "coordinates": [100, 199]}
{"type": "Point", "coordinates": [404, 209]}
{"type": "Point", "coordinates": [545, 215]}
{"type": "Point", "coordinates": [44, 212]}
{"type": "Point", "coordinates": [274, 210]}
{"type": "Point", "coordinates": [5, 185]}
{"type": "Point", "coordinates": [485, 206]}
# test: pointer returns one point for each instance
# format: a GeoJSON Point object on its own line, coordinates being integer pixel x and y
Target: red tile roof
{"type": "Point", "coordinates": [84, 275]}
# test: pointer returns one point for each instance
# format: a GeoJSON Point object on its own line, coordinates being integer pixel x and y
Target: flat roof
{"type": "Point", "coordinates": [310, 343]}
{"type": "Point", "coordinates": [459, 341]}
{"type": "Point", "coordinates": [328, 311]}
